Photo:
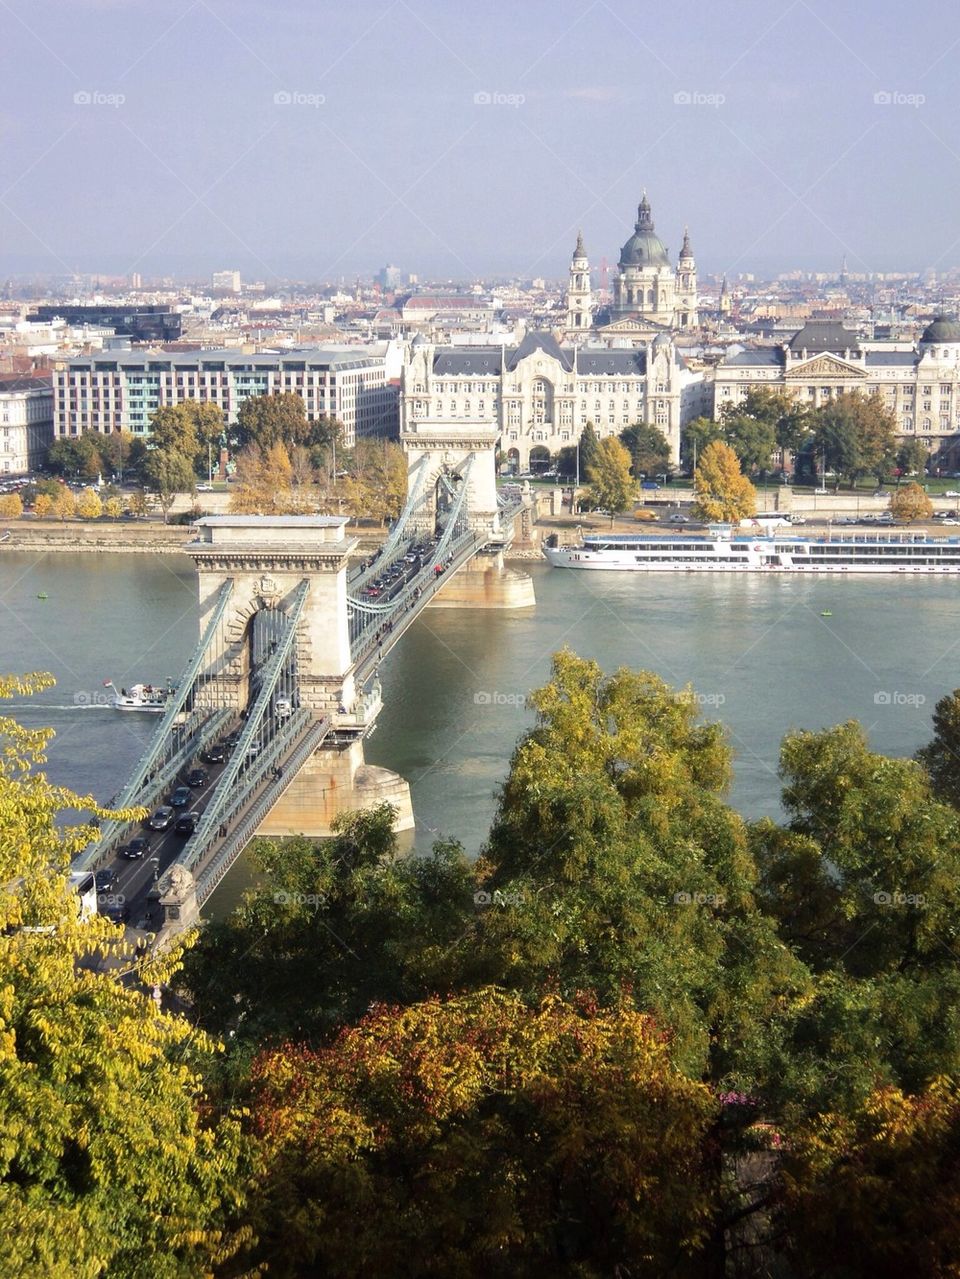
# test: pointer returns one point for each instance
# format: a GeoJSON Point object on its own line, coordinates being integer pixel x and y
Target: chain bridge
{"type": "Point", "coordinates": [270, 712]}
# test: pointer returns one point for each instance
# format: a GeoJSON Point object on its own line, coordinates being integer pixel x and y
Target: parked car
{"type": "Point", "coordinates": [137, 848]}
{"type": "Point", "coordinates": [181, 797]}
{"type": "Point", "coordinates": [951, 493]}
{"type": "Point", "coordinates": [196, 778]}
{"type": "Point", "coordinates": [187, 823]}
{"type": "Point", "coordinates": [650, 485]}
{"type": "Point", "coordinates": [204, 488]}
{"type": "Point", "coordinates": [677, 518]}
{"type": "Point", "coordinates": [162, 818]}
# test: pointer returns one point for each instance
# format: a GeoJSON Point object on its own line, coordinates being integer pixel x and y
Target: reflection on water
{"type": "Point", "coordinates": [756, 649]}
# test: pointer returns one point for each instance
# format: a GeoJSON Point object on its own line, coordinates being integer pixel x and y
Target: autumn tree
{"type": "Point", "coordinates": [611, 486]}
{"type": "Point", "coordinates": [911, 503]}
{"type": "Point", "coordinates": [11, 506]}
{"type": "Point", "coordinates": [695, 438]}
{"type": "Point", "coordinates": [113, 1161]}
{"type": "Point", "coordinates": [113, 508]}
{"type": "Point", "coordinates": [172, 430]}
{"type": "Point", "coordinates": [89, 505]}
{"type": "Point", "coordinates": [263, 482]}
{"type": "Point", "coordinates": [64, 504]}
{"type": "Point", "coordinates": [648, 447]}
{"type": "Point", "coordinates": [721, 490]}
{"type": "Point", "coordinates": [376, 487]}
{"type": "Point", "coordinates": [479, 1137]}
{"type": "Point", "coordinates": [43, 505]}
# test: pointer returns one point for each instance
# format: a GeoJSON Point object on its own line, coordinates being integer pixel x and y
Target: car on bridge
{"type": "Point", "coordinates": [196, 778]}
{"type": "Point", "coordinates": [180, 798]}
{"type": "Point", "coordinates": [215, 754]}
{"type": "Point", "coordinates": [117, 912]}
{"type": "Point", "coordinates": [186, 824]}
{"type": "Point", "coordinates": [105, 879]}
{"type": "Point", "coordinates": [137, 848]}
{"type": "Point", "coordinates": [162, 818]}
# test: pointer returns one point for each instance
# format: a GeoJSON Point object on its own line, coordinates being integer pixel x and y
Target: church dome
{"type": "Point", "coordinates": [644, 248]}
{"type": "Point", "coordinates": [943, 328]}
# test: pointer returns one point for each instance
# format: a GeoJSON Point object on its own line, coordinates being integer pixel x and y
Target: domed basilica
{"type": "Point", "coordinates": [649, 295]}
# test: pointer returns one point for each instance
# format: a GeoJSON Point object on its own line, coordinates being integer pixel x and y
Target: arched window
{"type": "Point", "coordinates": [650, 296]}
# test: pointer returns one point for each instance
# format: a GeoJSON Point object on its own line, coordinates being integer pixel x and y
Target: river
{"type": "Point", "coordinates": [758, 650]}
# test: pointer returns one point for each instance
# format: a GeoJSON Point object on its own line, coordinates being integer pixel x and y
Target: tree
{"type": "Point", "coordinates": [696, 436]}
{"type": "Point", "coordinates": [912, 458]}
{"type": "Point", "coordinates": [751, 439]}
{"type": "Point", "coordinates": [875, 1193]}
{"type": "Point", "coordinates": [114, 1162]}
{"type": "Point", "coordinates": [138, 503]}
{"type": "Point", "coordinates": [113, 507]}
{"type": "Point", "coordinates": [648, 447]}
{"type": "Point", "coordinates": [168, 472]}
{"type": "Point", "coordinates": [89, 506]}
{"type": "Point", "coordinates": [346, 922]}
{"type": "Point", "coordinates": [75, 455]}
{"type": "Point", "coordinates": [911, 503]}
{"type": "Point", "coordinates": [265, 420]}
{"type": "Point", "coordinates": [118, 450]}
{"type": "Point", "coordinates": [173, 430]}
{"type": "Point", "coordinates": [11, 506]}
{"type": "Point", "coordinates": [479, 1137]}
{"type": "Point", "coordinates": [611, 486]}
{"type": "Point", "coordinates": [589, 446]}
{"type": "Point", "coordinates": [855, 436]}
{"type": "Point", "coordinates": [721, 490]}
{"type": "Point", "coordinates": [264, 482]}
{"type": "Point", "coordinates": [941, 757]}
{"type": "Point", "coordinates": [64, 504]}
{"type": "Point", "coordinates": [377, 485]}
{"type": "Point", "coordinates": [43, 505]}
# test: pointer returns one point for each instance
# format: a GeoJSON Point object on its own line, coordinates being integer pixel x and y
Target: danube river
{"type": "Point", "coordinates": [758, 650]}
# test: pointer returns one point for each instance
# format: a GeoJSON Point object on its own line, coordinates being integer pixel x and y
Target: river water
{"type": "Point", "coordinates": [757, 649]}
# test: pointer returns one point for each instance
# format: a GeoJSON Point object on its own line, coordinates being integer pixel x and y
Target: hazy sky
{"type": "Point", "coordinates": [288, 137]}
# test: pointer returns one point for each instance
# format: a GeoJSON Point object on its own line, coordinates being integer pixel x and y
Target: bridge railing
{"type": "Point", "coordinates": [242, 757]}
{"type": "Point", "coordinates": [245, 830]}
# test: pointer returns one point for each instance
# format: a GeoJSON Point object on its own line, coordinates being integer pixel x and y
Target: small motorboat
{"type": "Point", "coordinates": [140, 697]}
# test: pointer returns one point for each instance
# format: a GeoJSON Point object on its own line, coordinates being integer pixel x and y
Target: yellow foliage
{"type": "Point", "coordinates": [43, 505]}
{"type": "Point", "coordinates": [721, 490]}
{"type": "Point", "coordinates": [11, 506]}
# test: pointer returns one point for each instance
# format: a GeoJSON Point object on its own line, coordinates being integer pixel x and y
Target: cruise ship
{"type": "Point", "coordinates": [728, 552]}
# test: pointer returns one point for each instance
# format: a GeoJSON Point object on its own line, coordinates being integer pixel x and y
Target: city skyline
{"type": "Point", "coordinates": [293, 143]}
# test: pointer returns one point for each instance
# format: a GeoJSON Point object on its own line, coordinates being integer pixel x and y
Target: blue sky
{"type": "Point", "coordinates": [323, 140]}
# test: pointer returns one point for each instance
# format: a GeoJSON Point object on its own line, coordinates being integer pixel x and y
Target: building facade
{"type": "Point", "coordinates": [140, 323]}
{"type": "Point", "coordinates": [26, 423]}
{"type": "Point", "coordinates": [920, 386]}
{"type": "Point", "coordinates": [119, 391]}
{"type": "Point", "coordinates": [540, 396]}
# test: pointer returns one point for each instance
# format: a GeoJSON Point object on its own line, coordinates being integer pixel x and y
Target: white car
{"type": "Point", "coordinates": [678, 519]}
{"type": "Point", "coordinates": [951, 493]}
{"type": "Point", "coordinates": [204, 488]}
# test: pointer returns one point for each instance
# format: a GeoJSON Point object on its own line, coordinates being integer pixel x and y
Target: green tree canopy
{"type": "Point", "coordinates": [855, 435]}
{"type": "Point", "coordinates": [695, 438]}
{"type": "Point", "coordinates": [912, 457]}
{"type": "Point", "coordinates": [167, 472]}
{"type": "Point", "coordinates": [589, 447]}
{"type": "Point", "coordinates": [941, 757]}
{"type": "Point", "coordinates": [648, 447]}
{"type": "Point", "coordinates": [265, 420]}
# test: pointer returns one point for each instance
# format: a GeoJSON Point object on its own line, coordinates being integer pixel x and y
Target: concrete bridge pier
{"type": "Point", "coordinates": [485, 582]}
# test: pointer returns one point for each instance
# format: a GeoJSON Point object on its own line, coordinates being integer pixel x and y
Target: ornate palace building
{"type": "Point", "coordinates": [920, 385]}
{"type": "Point", "coordinates": [541, 395]}
{"type": "Point", "coordinates": [649, 295]}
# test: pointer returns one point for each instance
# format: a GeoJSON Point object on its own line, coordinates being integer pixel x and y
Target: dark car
{"type": "Point", "coordinates": [215, 754]}
{"type": "Point", "coordinates": [105, 879]}
{"type": "Point", "coordinates": [187, 823]}
{"type": "Point", "coordinates": [137, 847]}
{"type": "Point", "coordinates": [162, 818]}
{"type": "Point", "coordinates": [180, 798]}
{"type": "Point", "coordinates": [116, 911]}
{"type": "Point", "coordinates": [196, 778]}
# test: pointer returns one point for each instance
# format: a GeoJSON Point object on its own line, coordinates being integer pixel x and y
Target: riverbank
{"type": "Point", "coordinates": [145, 537]}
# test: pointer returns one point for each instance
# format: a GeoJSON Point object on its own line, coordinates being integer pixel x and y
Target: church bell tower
{"type": "Point", "coordinates": [579, 296]}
